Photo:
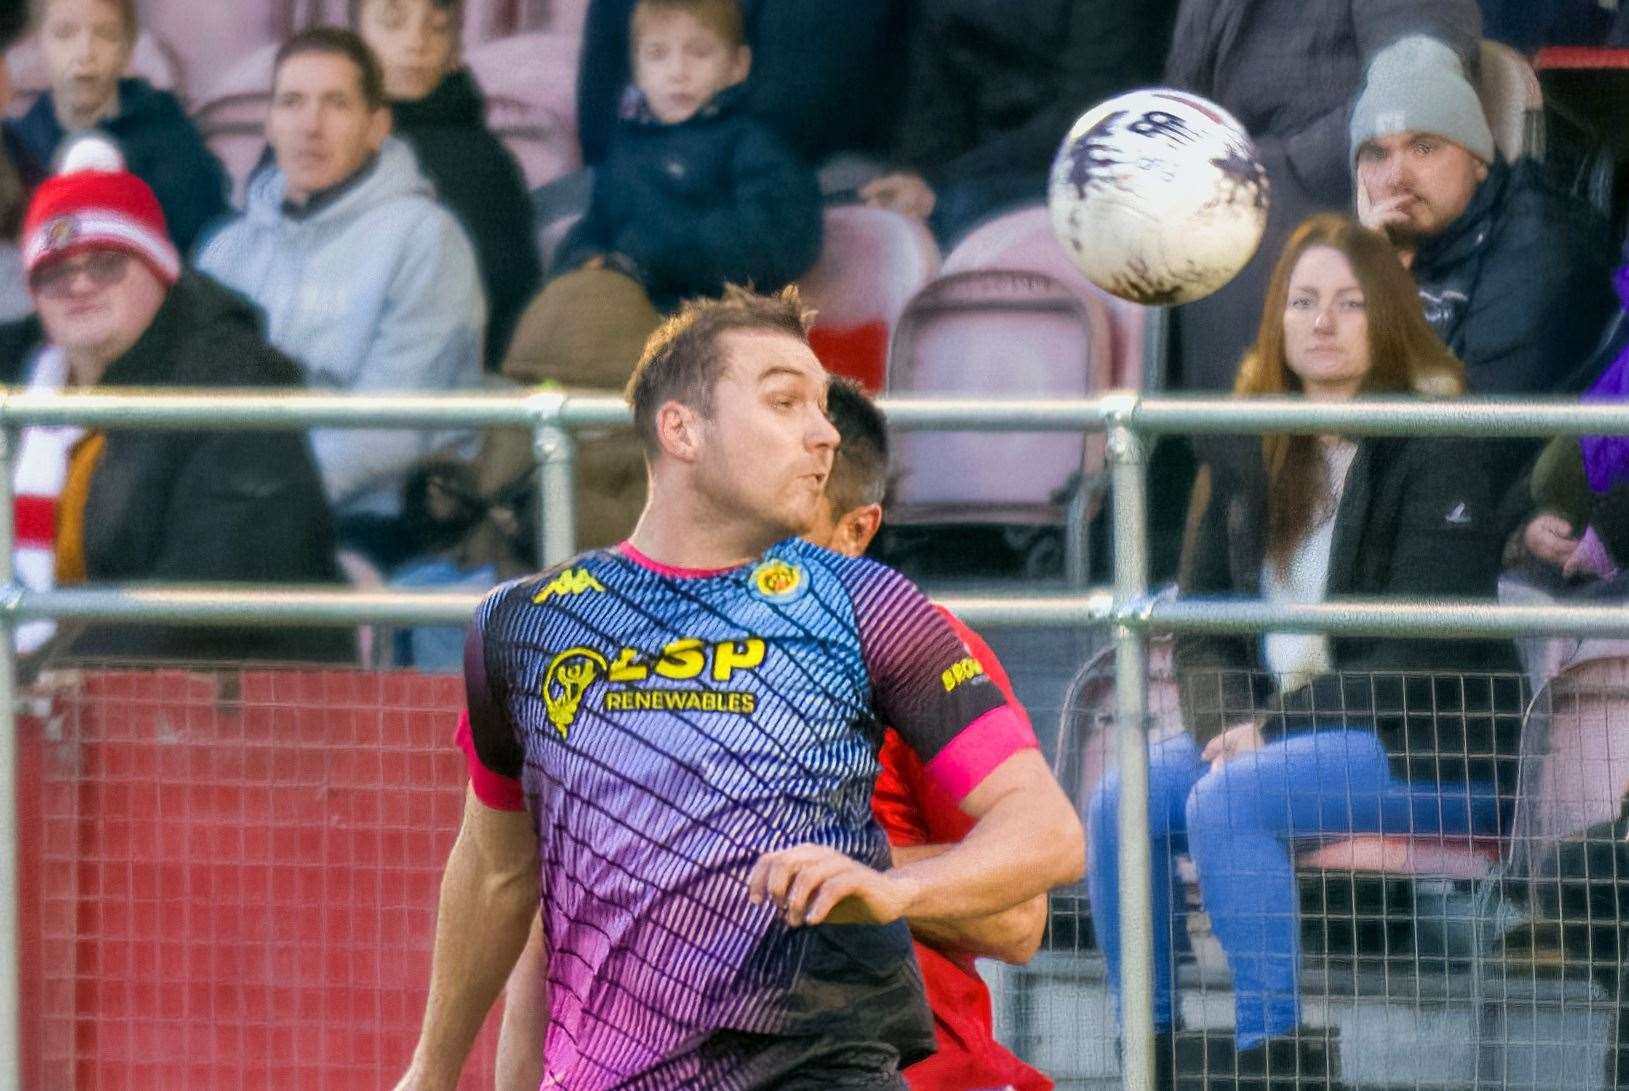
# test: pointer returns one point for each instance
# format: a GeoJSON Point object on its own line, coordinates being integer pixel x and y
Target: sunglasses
{"type": "Point", "coordinates": [105, 268]}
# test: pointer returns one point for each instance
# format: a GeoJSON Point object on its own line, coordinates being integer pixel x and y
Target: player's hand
{"type": "Point", "coordinates": [1550, 538]}
{"type": "Point", "coordinates": [813, 884]}
{"type": "Point", "coordinates": [901, 192]}
{"type": "Point", "coordinates": [1238, 739]}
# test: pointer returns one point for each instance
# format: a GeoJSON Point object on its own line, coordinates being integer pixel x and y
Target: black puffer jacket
{"type": "Point", "coordinates": [478, 179]}
{"type": "Point", "coordinates": [240, 506]}
{"type": "Point", "coordinates": [1416, 520]}
{"type": "Point", "coordinates": [711, 201]}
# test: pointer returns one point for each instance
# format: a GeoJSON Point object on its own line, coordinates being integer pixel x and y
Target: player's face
{"type": "Point", "coordinates": [86, 46]}
{"type": "Point", "coordinates": [1435, 177]}
{"type": "Point", "coordinates": [1326, 325]}
{"type": "Point", "coordinates": [321, 125]}
{"type": "Point", "coordinates": [768, 446]}
{"type": "Point", "coordinates": [417, 45]}
{"type": "Point", "coordinates": [680, 63]}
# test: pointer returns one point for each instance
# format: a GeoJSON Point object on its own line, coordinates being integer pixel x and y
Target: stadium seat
{"type": "Point", "coordinates": [997, 333]}
{"type": "Point", "coordinates": [232, 116]}
{"type": "Point", "coordinates": [1513, 101]}
{"type": "Point", "coordinates": [153, 60]}
{"type": "Point", "coordinates": [530, 84]}
{"type": "Point", "coordinates": [1024, 240]}
{"type": "Point", "coordinates": [563, 17]}
{"type": "Point", "coordinates": [871, 263]}
{"type": "Point", "coordinates": [208, 39]}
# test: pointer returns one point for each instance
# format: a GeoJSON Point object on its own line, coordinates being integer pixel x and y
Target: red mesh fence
{"type": "Point", "coordinates": [230, 878]}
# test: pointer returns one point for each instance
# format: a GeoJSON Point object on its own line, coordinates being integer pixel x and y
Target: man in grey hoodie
{"type": "Point", "coordinates": [364, 278]}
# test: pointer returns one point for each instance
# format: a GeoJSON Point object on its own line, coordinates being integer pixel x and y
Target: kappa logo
{"type": "Point", "coordinates": [778, 581]}
{"type": "Point", "coordinates": [573, 581]}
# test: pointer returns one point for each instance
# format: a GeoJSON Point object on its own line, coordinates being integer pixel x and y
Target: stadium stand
{"type": "Point", "coordinates": [528, 80]}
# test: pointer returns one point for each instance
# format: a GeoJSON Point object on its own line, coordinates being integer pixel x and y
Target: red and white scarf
{"type": "Point", "coordinates": [40, 475]}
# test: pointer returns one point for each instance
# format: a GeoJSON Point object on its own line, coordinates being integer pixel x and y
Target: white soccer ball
{"type": "Point", "coordinates": [1159, 196]}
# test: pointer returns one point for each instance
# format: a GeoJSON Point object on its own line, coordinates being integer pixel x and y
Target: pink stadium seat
{"type": "Point", "coordinates": [530, 84]}
{"type": "Point", "coordinates": [208, 39]}
{"type": "Point", "coordinates": [153, 61]}
{"type": "Point", "coordinates": [871, 264]}
{"type": "Point", "coordinates": [1023, 240]}
{"type": "Point", "coordinates": [232, 116]}
{"type": "Point", "coordinates": [997, 333]}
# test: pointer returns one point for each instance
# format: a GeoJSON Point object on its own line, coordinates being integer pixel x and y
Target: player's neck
{"type": "Point", "coordinates": [681, 535]}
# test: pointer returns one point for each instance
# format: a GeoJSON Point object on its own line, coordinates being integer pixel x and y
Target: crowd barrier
{"type": "Point", "coordinates": [267, 838]}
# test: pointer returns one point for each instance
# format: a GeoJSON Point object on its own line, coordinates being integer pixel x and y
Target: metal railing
{"type": "Point", "coordinates": [1129, 421]}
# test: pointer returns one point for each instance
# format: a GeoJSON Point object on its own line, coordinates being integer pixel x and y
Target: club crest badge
{"type": "Point", "coordinates": [778, 582]}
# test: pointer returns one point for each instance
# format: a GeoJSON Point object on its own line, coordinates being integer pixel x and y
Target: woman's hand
{"type": "Point", "coordinates": [1550, 538]}
{"type": "Point", "coordinates": [1238, 739]}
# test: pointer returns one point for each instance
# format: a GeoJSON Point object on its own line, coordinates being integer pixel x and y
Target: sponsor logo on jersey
{"type": "Point", "coordinates": [573, 671]}
{"type": "Point", "coordinates": [964, 671]}
{"type": "Point", "coordinates": [778, 581]}
{"type": "Point", "coordinates": [573, 581]}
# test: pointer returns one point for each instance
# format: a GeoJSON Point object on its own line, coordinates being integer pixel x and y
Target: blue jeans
{"type": "Point", "coordinates": [1238, 823]}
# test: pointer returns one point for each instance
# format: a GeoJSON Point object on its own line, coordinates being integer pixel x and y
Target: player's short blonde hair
{"type": "Point", "coordinates": [683, 358]}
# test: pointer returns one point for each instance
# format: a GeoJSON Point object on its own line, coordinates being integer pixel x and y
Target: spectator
{"type": "Point", "coordinates": [365, 279]}
{"type": "Point", "coordinates": [1288, 71]}
{"type": "Point", "coordinates": [438, 109]}
{"type": "Point", "coordinates": [823, 73]}
{"type": "Point", "coordinates": [87, 44]}
{"type": "Point", "coordinates": [991, 91]}
{"type": "Point", "coordinates": [15, 180]}
{"type": "Point", "coordinates": [1366, 746]}
{"type": "Point", "coordinates": [1515, 277]}
{"type": "Point", "coordinates": [1529, 25]}
{"type": "Point", "coordinates": [695, 194]}
{"type": "Point", "coordinates": [116, 308]}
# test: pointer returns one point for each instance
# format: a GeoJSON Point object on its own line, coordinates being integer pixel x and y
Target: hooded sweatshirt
{"type": "Point", "coordinates": [372, 287]}
{"type": "Point", "coordinates": [478, 179]}
{"type": "Point", "coordinates": [161, 147]}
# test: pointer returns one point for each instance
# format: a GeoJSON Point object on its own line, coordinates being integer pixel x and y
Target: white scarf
{"type": "Point", "coordinates": [39, 477]}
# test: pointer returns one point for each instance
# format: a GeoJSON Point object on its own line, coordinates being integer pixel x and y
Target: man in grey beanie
{"type": "Point", "coordinates": [1515, 276]}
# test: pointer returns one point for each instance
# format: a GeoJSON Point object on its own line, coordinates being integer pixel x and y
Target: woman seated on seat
{"type": "Point", "coordinates": [1294, 738]}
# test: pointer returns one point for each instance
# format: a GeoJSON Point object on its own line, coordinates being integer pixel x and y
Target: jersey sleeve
{"type": "Point", "coordinates": [491, 747]}
{"type": "Point", "coordinates": [929, 686]}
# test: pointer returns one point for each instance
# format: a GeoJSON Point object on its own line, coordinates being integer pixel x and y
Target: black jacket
{"type": "Point", "coordinates": [239, 506]}
{"type": "Point", "coordinates": [162, 148]}
{"type": "Point", "coordinates": [993, 86]}
{"type": "Point", "coordinates": [478, 179]}
{"type": "Point", "coordinates": [824, 77]}
{"type": "Point", "coordinates": [1416, 520]}
{"type": "Point", "coordinates": [711, 201]}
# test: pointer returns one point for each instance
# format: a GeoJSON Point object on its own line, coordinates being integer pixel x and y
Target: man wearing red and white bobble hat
{"type": "Point", "coordinates": [116, 307]}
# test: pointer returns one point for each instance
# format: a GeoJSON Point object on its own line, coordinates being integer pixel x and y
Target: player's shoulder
{"type": "Point", "coordinates": [584, 575]}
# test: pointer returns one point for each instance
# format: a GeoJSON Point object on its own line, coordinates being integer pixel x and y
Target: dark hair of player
{"type": "Point", "coordinates": [722, 17]}
{"type": "Point", "coordinates": [683, 358]}
{"type": "Point", "coordinates": [859, 474]}
{"type": "Point", "coordinates": [339, 42]}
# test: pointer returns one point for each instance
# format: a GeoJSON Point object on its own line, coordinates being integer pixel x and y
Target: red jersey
{"type": "Point", "coordinates": [914, 810]}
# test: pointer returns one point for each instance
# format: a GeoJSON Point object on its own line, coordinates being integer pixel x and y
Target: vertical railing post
{"type": "Point", "coordinates": [1130, 481]}
{"type": "Point", "coordinates": [555, 452]}
{"type": "Point", "coordinates": [11, 1008]}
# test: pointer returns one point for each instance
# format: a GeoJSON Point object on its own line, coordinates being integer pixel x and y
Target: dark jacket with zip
{"type": "Point", "coordinates": [161, 146]}
{"type": "Point", "coordinates": [238, 506]}
{"type": "Point", "coordinates": [687, 208]}
{"type": "Point", "coordinates": [478, 179]}
{"type": "Point", "coordinates": [1416, 520]}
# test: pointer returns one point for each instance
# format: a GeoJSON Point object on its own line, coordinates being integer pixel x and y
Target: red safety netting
{"type": "Point", "coordinates": [229, 878]}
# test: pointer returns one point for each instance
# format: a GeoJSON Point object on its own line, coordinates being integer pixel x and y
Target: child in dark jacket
{"type": "Point", "coordinates": [87, 46]}
{"type": "Point", "coordinates": [695, 193]}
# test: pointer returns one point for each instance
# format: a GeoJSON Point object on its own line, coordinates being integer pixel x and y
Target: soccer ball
{"type": "Point", "coordinates": [1159, 196]}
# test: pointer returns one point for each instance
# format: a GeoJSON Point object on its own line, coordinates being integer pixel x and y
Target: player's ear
{"type": "Point", "coordinates": [678, 431]}
{"type": "Point", "coordinates": [856, 529]}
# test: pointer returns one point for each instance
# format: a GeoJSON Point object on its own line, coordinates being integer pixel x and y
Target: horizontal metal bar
{"type": "Point", "coordinates": [1434, 618]}
{"type": "Point", "coordinates": [1383, 416]}
{"type": "Point", "coordinates": [1091, 607]}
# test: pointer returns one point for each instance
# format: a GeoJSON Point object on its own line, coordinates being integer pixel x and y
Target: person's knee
{"type": "Point", "coordinates": [1103, 812]}
{"type": "Point", "coordinates": [1215, 807]}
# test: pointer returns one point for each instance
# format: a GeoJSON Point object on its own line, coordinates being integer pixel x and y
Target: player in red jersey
{"type": "Point", "coordinates": [920, 818]}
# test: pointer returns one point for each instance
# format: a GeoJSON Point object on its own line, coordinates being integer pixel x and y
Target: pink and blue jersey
{"type": "Point", "coordinates": [667, 727]}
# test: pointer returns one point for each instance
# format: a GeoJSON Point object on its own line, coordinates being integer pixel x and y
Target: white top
{"type": "Point", "coordinates": [1296, 658]}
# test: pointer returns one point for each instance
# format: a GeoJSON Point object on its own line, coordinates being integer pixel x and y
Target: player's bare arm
{"type": "Point", "coordinates": [489, 896]}
{"type": "Point", "coordinates": [1012, 935]}
{"type": "Point", "coordinates": [1027, 840]}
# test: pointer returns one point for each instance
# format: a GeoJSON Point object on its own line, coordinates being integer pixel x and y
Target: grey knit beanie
{"type": "Point", "coordinates": [1418, 85]}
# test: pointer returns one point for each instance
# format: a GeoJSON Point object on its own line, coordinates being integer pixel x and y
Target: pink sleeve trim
{"type": "Point", "coordinates": [497, 791]}
{"type": "Point", "coordinates": [981, 746]}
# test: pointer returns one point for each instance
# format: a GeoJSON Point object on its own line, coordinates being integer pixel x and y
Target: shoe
{"type": "Point", "coordinates": [1307, 1060]}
